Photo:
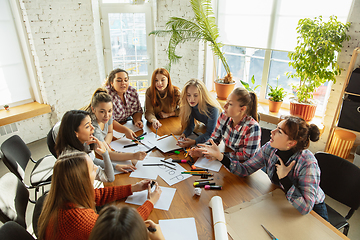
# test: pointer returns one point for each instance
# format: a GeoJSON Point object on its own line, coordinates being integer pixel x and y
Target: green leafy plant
{"type": "Point", "coordinates": [315, 56]}
{"type": "Point", "coordinates": [201, 28]}
{"type": "Point", "coordinates": [278, 93]}
{"type": "Point", "coordinates": [248, 87]}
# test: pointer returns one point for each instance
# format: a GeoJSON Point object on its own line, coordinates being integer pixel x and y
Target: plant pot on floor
{"type": "Point", "coordinates": [223, 90]}
{"type": "Point", "coordinates": [274, 107]}
{"type": "Point", "coordinates": [303, 110]}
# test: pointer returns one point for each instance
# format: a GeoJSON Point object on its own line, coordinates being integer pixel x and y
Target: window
{"type": "Point", "coordinates": [15, 87]}
{"type": "Point", "coordinates": [259, 34]}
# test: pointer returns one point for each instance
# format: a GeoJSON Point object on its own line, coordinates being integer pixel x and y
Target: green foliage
{"type": "Point", "coordinates": [278, 93]}
{"type": "Point", "coordinates": [202, 28]}
{"type": "Point", "coordinates": [248, 87]}
{"type": "Point", "coordinates": [315, 56]}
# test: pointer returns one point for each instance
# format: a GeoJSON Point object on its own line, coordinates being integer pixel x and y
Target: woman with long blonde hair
{"type": "Point", "coordinates": [197, 104]}
{"type": "Point", "coordinates": [69, 209]}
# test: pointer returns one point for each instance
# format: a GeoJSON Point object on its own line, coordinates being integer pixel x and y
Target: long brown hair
{"type": "Point", "coordinates": [171, 89]}
{"type": "Point", "coordinates": [70, 184]}
{"type": "Point", "coordinates": [119, 224]}
{"type": "Point", "coordinates": [248, 99]}
{"type": "Point", "coordinates": [205, 100]}
{"type": "Point", "coordinates": [298, 129]}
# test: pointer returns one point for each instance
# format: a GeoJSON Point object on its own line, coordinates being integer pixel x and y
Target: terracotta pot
{"type": "Point", "coordinates": [274, 106]}
{"type": "Point", "coordinates": [303, 110]}
{"type": "Point", "coordinates": [223, 90]}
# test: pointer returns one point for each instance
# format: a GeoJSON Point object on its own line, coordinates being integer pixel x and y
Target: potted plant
{"type": "Point", "coordinates": [6, 107]}
{"type": "Point", "coordinates": [202, 28]}
{"type": "Point", "coordinates": [315, 60]}
{"type": "Point", "coordinates": [276, 95]}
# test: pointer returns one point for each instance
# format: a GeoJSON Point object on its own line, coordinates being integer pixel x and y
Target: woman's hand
{"type": "Point", "coordinates": [140, 186]}
{"type": "Point", "coordinates": [282, 170]}
{"type": "Point", "coordinates": [212, 151]}
{"type": "Point", "coordinates": [156, 124]}
{"type": "Point", "coordinates": [186, 142]}
{"type": "Point", "coordinates": [125, 168]}
{"type": "Point", "coordinates": [157, 235]}
{"type": "Point", "coordinates": [139, 124]}
{"type": "Point", "coordinates": [155, 195]}
{"type": "Point", "coordinates": [139, 155]}
{"type": "Point", "coordinates": [129, 133]}
{"type": "Point", "coordinates": [195, 152]}
{"type": "Point", "coordinates": [100, 147]}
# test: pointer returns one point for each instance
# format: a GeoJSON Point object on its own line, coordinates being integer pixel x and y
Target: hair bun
{"type": "Point", "coordinates": [314, 132]}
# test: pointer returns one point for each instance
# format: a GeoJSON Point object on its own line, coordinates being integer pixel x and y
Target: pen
{"type": "Point", "coordinates": [151, 229]}
{"type": "Point", "coordinates": [150, 149]}
{"type": "Point", "coordinates": [204, 180]}
{"type": "Point", "coordinates": [167, 162]}
{"type": "Point", "coordinates": [156, 134]}
{"type": "Point", "coordinates": [153, 164]}
{"type": "Point", "coordinates": [131, 145]}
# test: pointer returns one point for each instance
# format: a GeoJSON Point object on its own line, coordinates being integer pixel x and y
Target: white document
{"type": "Point", "coordinates": [131, 126]}
{"type": "Point", "coordinates": [118, 134]}
{"type": "Point", "coordinates": [147, 172]}
{"type": "Point", "coordinates": [164, 202]}
{"type": "Point", "coordinates": [171, 176]}
{"type": "Point", "coordinates": [206, 163]}
{"type": "Point", "coordinates": [179, 229]}
{"type": "Point", "coordinates": [149, 140]}
{"type": "Point", "coordinates": [119, 146]}
{"type": "Point", "coordinates": [167, 144]}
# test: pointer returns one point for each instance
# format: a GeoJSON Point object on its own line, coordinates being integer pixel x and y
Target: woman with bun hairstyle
{"type": "Point", "coordinates": [101, 109]}
{"type": "Point", "coordinates": [162, 98]}
{"type": "Point", "coordinates": [287, 162]}
{"type": "Point", "coordinates": [123, 223]}
{"type": "Point", "coordinates": [197, 104]}
{"type": "Point", "coordinates": [69, 209]}
{"type": "Point", "coordinates": [237, 127]}
{"type": "Point", "coordinates": [126, 102]}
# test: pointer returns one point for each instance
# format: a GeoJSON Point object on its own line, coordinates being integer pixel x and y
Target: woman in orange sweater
{"type": "Point", "coordinates": [69, 209]}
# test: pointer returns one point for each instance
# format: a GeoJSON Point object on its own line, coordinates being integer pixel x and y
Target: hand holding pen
{"type": "Point", "coordinates": [154, 230]}
{"type": "Point", "coordinates": [156, 124]}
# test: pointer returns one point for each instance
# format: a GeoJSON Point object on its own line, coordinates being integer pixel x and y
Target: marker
{"type": "Point", "coordinates": [204, 184]}
{"type": "Point", "coordinates": [200, 169]}
{"type": "Point", "coordinates": [151, 229]}
{"type": "Point", "coordinates": [167, 162]}
{"type": "Point", "coordinates": [150, 149]}
{"type": "Point", "coordinates": [177, 152]}
{"type": "Point", "coordinates": [153, 164]}
{"type": "Point", "coordinates": [192, 172]}
{"type": "Point", "coordinates": [179, 161]}
{"type": "Point", "coordinates": [207, 187]}
{"type": "Point", "coordinates": [169, 167]}
{"type": "Point", "coordinates": [152, 183]}
{"type": "Point", "coordinates": [204, 180]}
{"type": "Point", "coordinates": [131, 145]}
{"type": "Point", "coordinates": [207, 182]}
{"type": "Point", "coordinates": [138, 137]}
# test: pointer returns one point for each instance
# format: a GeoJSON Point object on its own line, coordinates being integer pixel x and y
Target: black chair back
{"type": "Point", "coordinates": [51, 142]}
{"type": "Point", "coordinates": [14, 198]}
{"type": "Point", "coordinates": [15, 154]}
{"type": "Point", "coordinates": [13, 231]}
{"type": "Point", "coordinates": [340, 179]}
{"type": "Point", "coordinates": [36, 214]}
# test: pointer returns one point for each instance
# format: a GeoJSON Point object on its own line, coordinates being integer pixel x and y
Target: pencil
{"type": "Point", "coordinates": [174, 136]}
{"type": "Point", "coordinates": [163, 137]}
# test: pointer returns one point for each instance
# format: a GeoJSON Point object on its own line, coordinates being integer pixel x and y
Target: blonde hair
{"type": "Point", "coordinates": [205, 99]}
{"type": "Point", "coordinates": [100, 95]}
{"type": "Point", "coordinates": [70, 184]}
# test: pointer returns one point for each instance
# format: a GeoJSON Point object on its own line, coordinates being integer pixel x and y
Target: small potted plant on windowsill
{"type": "Point", "coordinates": [315, 60]}
{"type": "Point", "coordinates": [6, 107]}
{"type": "Point", "coordinates": [277, 96]}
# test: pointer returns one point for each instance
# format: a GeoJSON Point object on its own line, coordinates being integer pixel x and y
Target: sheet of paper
{"type": "Point", "coordinates": [167, 144]}
{"type": "Point", "coordinates": [118, 134]}
{"type": "Point", "coordinates": [164, 202]}
{"type": "Point", "coordinates": [179, 229]}
{"type": "Point", "coordinates": [131, 126]}
{"type": "Point", "coordinates": [127, 162]}
{"type": "Point", "coordinates": [171, 176]}
{"type": "Point", "coordinates": [119, 146]}
{"type": "Point", "coordinates": [149, 139]}
{"type": "Point", "coordinates": [148, 172]}
{"type": "Point", "coordinates": [205, 163]}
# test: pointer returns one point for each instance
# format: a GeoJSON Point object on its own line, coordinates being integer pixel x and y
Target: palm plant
{"type": "Point", "coordinates": [202, 28]}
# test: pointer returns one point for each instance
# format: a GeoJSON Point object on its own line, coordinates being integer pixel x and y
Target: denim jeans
{"type": "Point", "coordinates": [320, 209]}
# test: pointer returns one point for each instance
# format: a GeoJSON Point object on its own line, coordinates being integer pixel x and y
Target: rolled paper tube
{"type": "Point", "coordinates": [218, 218]}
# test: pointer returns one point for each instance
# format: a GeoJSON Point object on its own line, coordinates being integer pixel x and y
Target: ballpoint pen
{"type": "Point", "coordinates": [156, 134]}
{"type": "Point", "coordinates": [272, 236]}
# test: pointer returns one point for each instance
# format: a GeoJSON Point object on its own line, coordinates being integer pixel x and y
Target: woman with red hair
{"type": "Point", "coordinates": [162, 98]}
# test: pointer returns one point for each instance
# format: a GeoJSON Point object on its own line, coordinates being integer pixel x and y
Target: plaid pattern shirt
{"type": "Point", "coordinates": [243, 139]}
{"type": "Point", "coordinates": [121, 111]}
{"type": "Point", "coordinates": [305, 175]}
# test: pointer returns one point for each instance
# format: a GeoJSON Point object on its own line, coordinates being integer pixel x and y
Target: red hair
{"type": "Point", "coordinates": [170, 88]}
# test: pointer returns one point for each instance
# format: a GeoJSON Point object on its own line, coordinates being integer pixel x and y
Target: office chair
{"type": "Point", "coordinates": [37, 211]}
{"type": "Point", "coordinates": [16, 156]}
{"type": "Point", "coordinates": [14, 198]}
{"type": "Point", "coordinates": [51, 142]}
{"type": "Point", "coordinates": [13, 231]}
{"type": "Point", "coordinates": [339, 179]}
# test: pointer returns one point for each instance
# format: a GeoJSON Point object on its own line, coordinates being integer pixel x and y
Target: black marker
{"type": "Point", "coordinates": [138, 137]}
{"type": "Point", "coordinates": [150, 149]}
{"type": "Point", "coordinates": [151, 229]}
{"type": "Point", "coordinates": [131, 145]}
{"type": "Point", "coordinates": [152, 183]}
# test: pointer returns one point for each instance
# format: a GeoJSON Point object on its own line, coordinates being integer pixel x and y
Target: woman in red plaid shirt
{"type": "Point", "coordinates": [126, 102]}
{"type": "Point", "coordinates": [237, 127]}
